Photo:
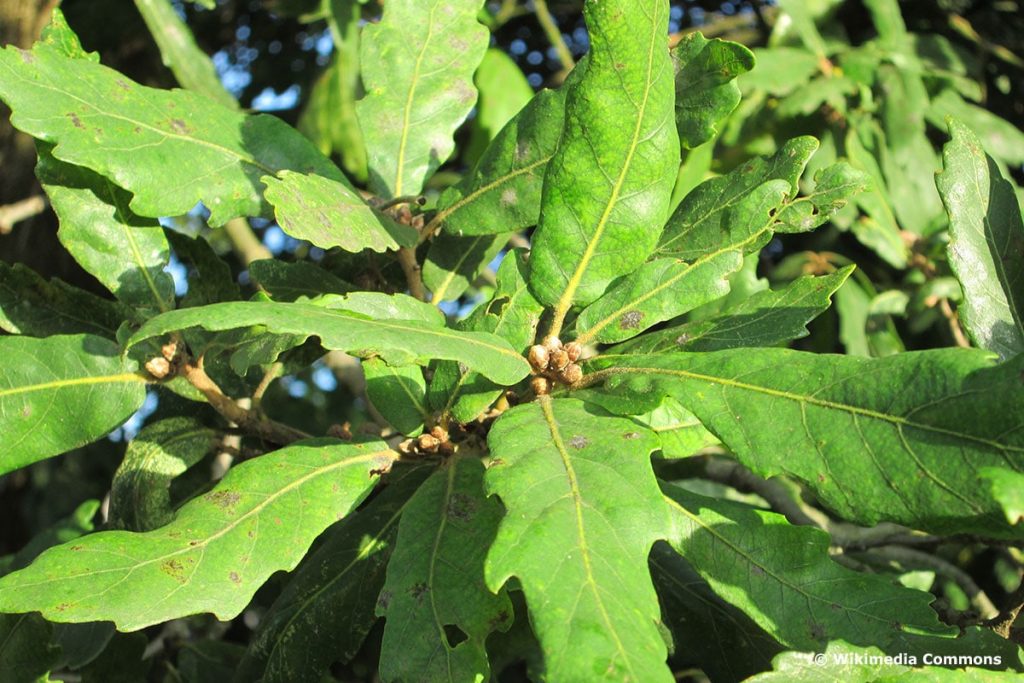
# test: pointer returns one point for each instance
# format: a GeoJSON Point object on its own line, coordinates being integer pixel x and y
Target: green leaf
{"type": "Point", "coordinates": [503, 192]}
{"type": "Point", "coordinates": [27, 650]}
{"type": "Point", "coordinates": [36, 307]}
{"type": "Point", "coordinates": [1007, 488]}
{"type": "Point", "coordinates": [191, 66]}
{"type": "Point", "coordinates": [579, 524]}
{"type": "Point", "coordinates": [680, 432]}
{"type": "Point", "coordinates": [606, 190]}
{"type": "Point", "coordinates": [801, 19]}
{"type": "Point", "coordinates": [140, 498]}
{"type": "Point", "coordinates": [127, 254]}
{"type": "Point", "coordinates": [80, 375]}
{"type": "Point", "coordinates": [862, 331]}
{"type": "Point", "coordinates": [438, 608]}
{"type": "Point", "coordinates": [738, 649]}
{"type": "Point", "coordinates": [417, 67]}
{"type": "Point", "coordinates": [765, 318]}
{"type": "Point", "coordinates": [220, 548]}
{"type": "Point", "coordinates": [512, 314]}
{"type": "Point", "coordinates": [210, 279]}
{"type": "Point", "coordinates": [892, 438]}
{"type": "Point", "coordinates": [986, 243]}
{"type": "Point", "coordinates": [705, 217]}
{"type": "Point", "coordinates": [122, 661]}
{"type": "Point", "coordinates": [706, 90]}
{"type": "Point", "coordinates": [779, 70]}
{"type": "Point", "coordinates": [668, 287]}
{"type": "Point", "coordinates": [454, 262]}
{"type": "Point", "coordinates": [286, 281]}
{"type": "Point", "coordinates": [397, 341]}
{"type": "Point", "coordinates": [833, 186]}
{"type": "Point", "coordinates": [301, 635]}
{"type": "Point", "coordinates": [58, 35]}
{"type": "Point", "coordinates": [209, 661]}
{"type": "Point", "coordinates": [782, 577]}
{"type": "Point", "coordinates": [504, 91]}
{"type": "Point", "coordinates": [1000, 138]}
{"type": "Point", "coordinates": [170, 149]}
{"type": "Point", "coordinates": [328, 212]}
{"type": "Point", "coordinates": [399, 393]}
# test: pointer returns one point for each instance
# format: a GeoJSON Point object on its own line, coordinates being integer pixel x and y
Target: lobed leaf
{"type": "Point", "coordinates": [44, 381]}
{"type": "Point", "coordinates": [399, 393]}
{"type": "Point", "coordinates": [417, 65]}
{"type": "Point", "coordinates": [140, 498]}
{"type": "Point", "coordinates": [170, 149]}
{"type": "Point", "coordinates": [892, 438]}
{"type": "Point", "coordinates": [435, 590]}
{"type": "Point", "coordinates": [398, 341]}
{"type": "Point", "coordinates": [664, 288]}
{"type": "Point", "coordinates": [706, 89]}
{"type": "Point", "coordinates": [328, 212]}
{"type": "Point", "coordinates": [582, 512]}
{"type": "Point", "coordinates": [607, 188]}
{"type": "Point", "coordinates": [301, 635]}
{"type": "Point", "coordinates": [503, 192]}
{"type": "Point", "coordinates": [126, 253]}
{"type": "Point", "coordinates": [220, 548]}
{"type": "Point", "coordinates": [454, 262]}
{"type": "Point", "coordinates": [986, 243]}
{"type": "Point", "coordinates": [833, 186]}
{"type": "Point", "coordinates": [765, 318]}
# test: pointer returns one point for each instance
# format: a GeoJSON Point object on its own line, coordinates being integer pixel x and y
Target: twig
{"type": "Point", "coordinates": [909, 557]}
{"type": "Point", "coordinates": [269, 376]}
{"type": "Point", "coordinates": [954, 323]}
{"type": "Point", "coordinates": [1003, 622]}
{"type": "Point", "coordinates": [251, 421]}
{"type": "Point", "coordinates": [418, 200]}
{"type": "Point", "coordinates": [413, 272]}
{"type": "Point", "coordinates": [244, 241]}
{"type": "Point", "coordinates": [547, 22]}
{"type": "Point", "coordinates": [20, 210]}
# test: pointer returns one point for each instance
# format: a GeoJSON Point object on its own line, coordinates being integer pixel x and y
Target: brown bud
{"type": "Point", "coordinates": [158, 367]}
{"type": "Point", "coordinates": [572, 374]}
{"type": "Point", "coordinates": [447, 448]}
{"type": "Point", "coordinates": [541, 385]}
{"type": "Point", "coordinates": [538, 358]}
{"type": "Point", "coordinates": [552, 343]}
{"type": "Point", "coordinates": [342, 431]}
{"type": "Point", "coordinates": [574, 351]}
{"type": "Point", "coordinates": [439, 433]}
{"type": "Point", "coordinates": [169, 350]}
{"type": "Point", "coordinates": [428, 443]}
{"type": "Point", "coordinates": [559, 360]}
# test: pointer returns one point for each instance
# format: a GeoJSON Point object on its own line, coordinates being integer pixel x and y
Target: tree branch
{"type": "Point", "coordinates": [20, 210]}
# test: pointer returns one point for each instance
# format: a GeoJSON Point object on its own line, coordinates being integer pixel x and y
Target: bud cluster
{"type": "Point", "coordinates": [436, 441]}
{"type": "Point", "coordinates": [166, 363]}
{"type": "Point", "coordinates": [552, 362]}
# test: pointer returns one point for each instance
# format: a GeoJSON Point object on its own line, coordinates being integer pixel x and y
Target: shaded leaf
{"type": "Point", "coordinates": [876, 439]}
{"type": "Point", "coordinates": [833, 187]}
{"type": "Point", "coordinates": [503, 192]}
{"type": "Point", "coordinates": [80, 375]}
{"type": "Point", "coordinates": [606, 190]}
{"type": "Point", "coordinates": [397, 341]}
{"type": "Point", "coordinates": [286, 281]}
{"type": "Point", "coordinates": [209, 661]}
{"type": "Point", "coordinates": [1000, 137]}
{"type": "Point", "coordinates": [191, 66]}
{"type": "Point", "coordinates": [328, 212]}
{"type": "Point", "coordinates": [438, 608]}
{"type": "Point", "coordinates": [1007, 488]}
{"type": "Point", "coordinates": [706, 90]}
{"type": "Point", "coordinates": [140, 498]}
{"type": "Point", "coordinates": [454, 262]}
{"type": "Point", "coordinates": [126, 253]}
{"type": "Point", "coordinates": [504, 91]}
{"type": "Point", "coordinates": [170, 149]}
{"type": "Point", "coordinates": [219, 549]}
{"type": "Point", "coordinates": [680, 432]}
{"type": "Point", "coordinates": [417, 66]}
{"type": "Point", "coordinates": [668, 287]}
{"type": "Point", "coordinates": [27, 650]}
{"type": "Point", "coordinates": [399, 393]}
{"type": "Point", "coordinates": [301, 635]}
{"type": "Point", "coordinates": [779, 70]}
{"type": "Point", "coordinates": [986, 243]}
{"type": "Point", "coordinates": [33, 306]}
{"type": "Point", "coordinates": [582, 512]}
{"type": "Point", "coordinates": [122, 661]}
{"type": "Point", "coordinates": [765, 318]}
{"type": "Point", "coordinates": [782, 577]}
{"type": "Point", "coordinates": [209, 278]}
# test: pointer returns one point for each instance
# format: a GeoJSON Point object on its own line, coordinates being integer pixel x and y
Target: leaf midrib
{"type": "Point", "coordinates": [76, 381]}
{"type": "Point", "coordinates": [407, 112]}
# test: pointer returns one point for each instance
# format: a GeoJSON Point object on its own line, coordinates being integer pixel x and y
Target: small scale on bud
{"type": "Point", "coordinates": [559, 360]}
{"type": "Point", "coordinates": [552, 343]}
{"type": "Point", "coordinates": [574, 351]}
{"type": "Point", "coordinates": [541, 386]}
{"type": "Point", "coordinates": [538, 358]}
{"type": "Point", "coordinates": [169, 350]}
{"type": "Point", "coordinates": [158, 367]}
{"type": "Point", "coordinates": [439, 433]}
{"type": "Point", "coordinates": [428, 443]}
{"type": "Point", "coordinates": [572, 374]}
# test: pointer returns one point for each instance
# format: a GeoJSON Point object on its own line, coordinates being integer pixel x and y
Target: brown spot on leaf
{"type": "Point", "coordinates": [223, 499]}
{"type": "Point", "coordinates": [26, 411]}
{"type": "Point", "coordinates": [180, 127]}
{"type": "Point", "coordinates": [75, 121]}
{"type": "Point", "coordinates": [174, 569]}
{"type": "Point", "coordinates": [384, 601]}
{"type": "Point", "coordinates": [498, 620]}
{"type": "Point", "coordinates": [579, 441]}
{"type": "Point", "coordinates": [122, 84]}
{"type": "Point", "coordinates": [629, 436]}
{"type": "Point", "coordinates": [235, 578]}
{"type": "Point", "coordinates": [682, 339]}
{"type": "Point", "coordinates": [418, 590]}
{"type": "Point", "coordinates": [461, 507]}
{"type": "Point", "coordinates": [817, 631]}
{"type": "Point", "coordinates": [76, 547]}
{"type": "Point", "coordinates": [64, 606]}
{"type": "Point", "coordinates": [630, 320]}
{"type": "Point", "coordinates": [26, 56]}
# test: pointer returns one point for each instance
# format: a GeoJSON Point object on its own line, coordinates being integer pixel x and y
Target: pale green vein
{"type": "Point", "coordinates": [77, 381]}
{"type": "Point", "coordinates": [407, 114]}
{"type": "Point", "coordinates": [133, 244]}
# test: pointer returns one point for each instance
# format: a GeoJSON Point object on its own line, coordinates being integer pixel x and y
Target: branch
{"type": "Point", "coordinates": [244, 241]}
{"type": "Point", "coordinates": [547, 22]}
{"type": "Point", "coordinates": [1003, 622]}
{"type": "Point", "coordinates": [413, 272]}
{"type": "Point", "coordinates": [20, 210]}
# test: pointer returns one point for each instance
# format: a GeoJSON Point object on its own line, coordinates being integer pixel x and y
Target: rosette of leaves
{"type": "Point", "coordinates": [524, 487]}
